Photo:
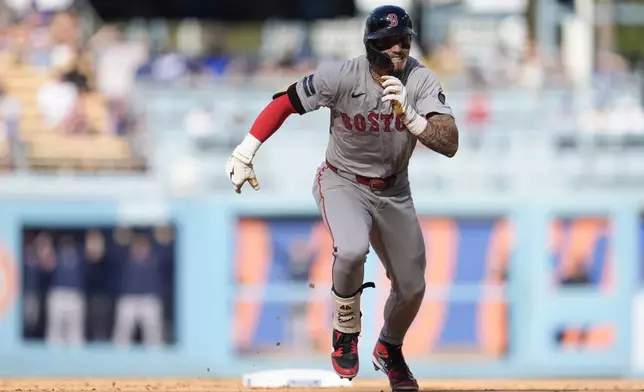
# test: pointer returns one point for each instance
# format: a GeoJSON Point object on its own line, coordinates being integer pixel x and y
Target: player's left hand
{"type": "Point", "coordinates": [395, 91]}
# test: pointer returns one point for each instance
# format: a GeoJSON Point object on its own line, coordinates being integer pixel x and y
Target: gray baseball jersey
{"type": "Point", "coordinates": [367, 138]}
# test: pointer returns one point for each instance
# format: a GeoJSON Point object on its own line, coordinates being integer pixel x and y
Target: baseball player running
{"type": "Point", "coordinates": [381, 104]}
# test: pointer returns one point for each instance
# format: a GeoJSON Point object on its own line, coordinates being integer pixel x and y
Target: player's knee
{"type": "Point", "coordinates": [415, 293]}
{"type": "Point", "coordinates": [352, 256]}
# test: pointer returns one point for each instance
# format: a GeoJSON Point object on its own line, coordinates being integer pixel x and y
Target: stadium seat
{"type": "Point", "coordinates": [83, 152]}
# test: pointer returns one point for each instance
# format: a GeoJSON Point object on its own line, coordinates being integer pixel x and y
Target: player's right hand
{"type": "Point", "coordinates": [395, 92]}
{"type": "Point", "coordinates": [239, 172]}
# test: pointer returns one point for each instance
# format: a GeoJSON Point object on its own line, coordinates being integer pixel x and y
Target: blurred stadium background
{"type": "Point", "coordinates": [125, 252]}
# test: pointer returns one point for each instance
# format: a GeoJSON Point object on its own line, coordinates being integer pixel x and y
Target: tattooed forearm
{"type": "Point", "coordinates": [441, 135]}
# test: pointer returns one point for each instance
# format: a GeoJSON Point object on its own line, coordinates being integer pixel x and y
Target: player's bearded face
{"type": "Point", "coordinates": [397, 48]}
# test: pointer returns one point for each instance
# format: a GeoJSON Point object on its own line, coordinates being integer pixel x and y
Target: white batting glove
{"type": "Point", "coordinates": [395, 91]}
{"type": "Point", "coordinates": [239, 167]}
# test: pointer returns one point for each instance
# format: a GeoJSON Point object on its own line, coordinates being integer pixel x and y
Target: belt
{"type": "Point", "coordinates": [376, 184]}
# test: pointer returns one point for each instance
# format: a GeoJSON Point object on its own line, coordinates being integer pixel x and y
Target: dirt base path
{"type": "Point", "coordinates": [220, 385]}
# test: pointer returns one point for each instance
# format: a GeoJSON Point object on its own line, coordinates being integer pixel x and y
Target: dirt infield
{"type": "Point", "coordinates": [214, 385]}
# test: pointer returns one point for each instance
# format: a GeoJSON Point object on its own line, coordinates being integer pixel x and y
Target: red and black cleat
{"type": "Point", "coordinates": [345, 354]}
{"type": "Point", "coordinates": [389, 359]}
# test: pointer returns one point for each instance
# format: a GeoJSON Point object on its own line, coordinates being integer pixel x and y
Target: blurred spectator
{"type": "Point", "coordinates": [164, 244]}
{"type": "Point", "coordinates": [78, 72]}
{"type": "Point", "coordinates": [38, 255]}
{"type": "Point", "coordinates": [140, 295]}
{"type": "Point", "coordinates": [64, 39]}
{"type": "Point", "coordinates": [99, 302]}
{"type": "Point", "coordinates": [169, 65]}
{"type": "Point", "coordinates": [58, 100]}
{"type": "Point", "coordinates": [117, 61]}
{"type": "Point", "coordinates": [63, 99]}
{"type": "Point", "coordinates": [164, 240]}
{"type": "Point", "coordinates": [120, 242]}
{"type": "Point", "coordinates": [66, 298]}
{"type": "Point", "coordinates": [39, 50]}
{"type": "Point", "coordinates": [117, 242]}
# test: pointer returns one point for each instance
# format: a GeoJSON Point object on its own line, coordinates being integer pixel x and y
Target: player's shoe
{"type": "Point", "coordinates": [347, 316]}
{"type": "Point", "coordinates": [388, 358]}
{"type": "Point", "coordinates": [345, 354]}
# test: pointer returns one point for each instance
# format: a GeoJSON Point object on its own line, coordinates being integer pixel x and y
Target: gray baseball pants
{"type": "Point", "coordinates": [356, 217]}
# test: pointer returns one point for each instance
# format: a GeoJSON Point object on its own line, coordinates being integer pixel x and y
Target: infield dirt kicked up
{"type": "Point", "coordinates": [228, 385]}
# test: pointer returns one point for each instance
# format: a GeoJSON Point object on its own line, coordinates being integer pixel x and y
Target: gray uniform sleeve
{"type": "Point", "coordinates": [319, 89]}
{"type": "Point", "coordinates": [431, 98]}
